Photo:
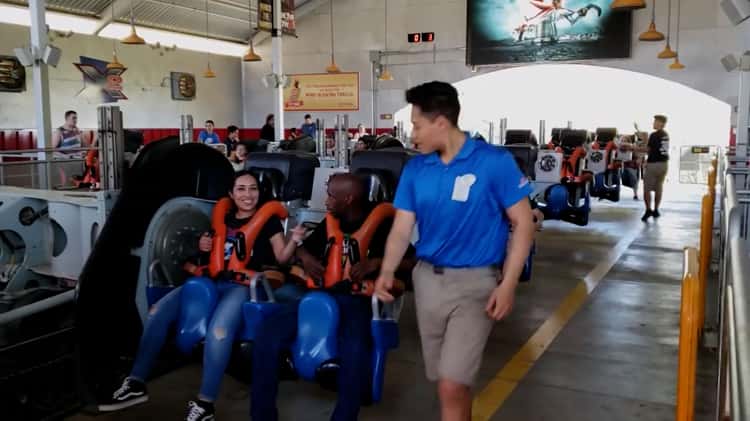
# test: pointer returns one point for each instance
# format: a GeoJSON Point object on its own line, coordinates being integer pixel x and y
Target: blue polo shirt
{"type": "Point", "coordinates": [460, 206]}
{"type": "Point", "coordinates": [209, 139]}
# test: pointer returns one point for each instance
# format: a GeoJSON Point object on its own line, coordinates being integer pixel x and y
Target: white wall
{"type": "Point", "coordinates": [706, 36]}
{"type": "Point", "coordinates": [148, 104]}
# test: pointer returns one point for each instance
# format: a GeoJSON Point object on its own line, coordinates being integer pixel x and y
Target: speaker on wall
{"type": "Point", "coordinates": [736, 10]}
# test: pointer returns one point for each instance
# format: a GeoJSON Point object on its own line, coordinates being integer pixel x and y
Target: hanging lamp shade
{"type": "Point", "coordinates": [385, 75]}
{"type": "Point", "coordinates": [209, 74]}
{"type": "Point", "coordinates": [651, 34]}
{"type": "Point", "coordinates": [667, 52]}
{"type": "Point", "coordinates": [251, 56]}
{"type": "Point", "coordinates": [133, 38]}
{"type": "Point", "coordinates": [333, 68]}
{"type": "Point", "coordinates": [676, 65]}
{"type": "Point", "coordinates": [115, 64]}
{"type": "Point", "coordinates": [628, 4]}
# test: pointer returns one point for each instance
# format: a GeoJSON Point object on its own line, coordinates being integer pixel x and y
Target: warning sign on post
{"type": "Point", "coordinates": [322, 92]}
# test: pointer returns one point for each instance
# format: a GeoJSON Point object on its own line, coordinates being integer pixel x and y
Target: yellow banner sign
{"type": "Point", "coordinates": [322, 92]}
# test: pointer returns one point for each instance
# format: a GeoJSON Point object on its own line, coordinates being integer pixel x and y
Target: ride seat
{"type": "Point", "coordinates": [294, 169]}
{"type": "Point", "coordinates": [522, 144]}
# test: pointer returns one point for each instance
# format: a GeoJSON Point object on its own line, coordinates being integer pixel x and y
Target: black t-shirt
{"type": "Point", "coordinates": [316, 243]}
{"type": "Point", "coordinates": [262, 254]}
{"type": "Point", "coordinates": [267, 133]}
{"type": "Point", "coordinates": [658, 147]}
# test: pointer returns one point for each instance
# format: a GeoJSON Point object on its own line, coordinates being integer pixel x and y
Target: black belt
{"type": "Point", "coordinates": [440, 270]}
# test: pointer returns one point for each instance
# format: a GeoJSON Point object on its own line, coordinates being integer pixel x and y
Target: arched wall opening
{"type": "Point", "coordinates": [589, 97]}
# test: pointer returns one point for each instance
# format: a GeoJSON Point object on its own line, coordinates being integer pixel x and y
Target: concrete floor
{"type": "Point", "coordinates": [615, 359]}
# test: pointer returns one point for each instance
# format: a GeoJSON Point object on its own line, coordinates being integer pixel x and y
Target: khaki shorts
{"type": "Point", "coordinates": [653, 178]}
{"type": "Point", "coordinates": [453, 324]}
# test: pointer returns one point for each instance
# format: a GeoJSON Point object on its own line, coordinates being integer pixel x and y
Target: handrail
{"type": "Point", "coordinates": [705, 250]}
{"type": "Point", "coordinates": [688, 345]}
{"type": "Point", "coordinates": [740, 326]}
{"type": "Point", "coordinates": [61, 150]}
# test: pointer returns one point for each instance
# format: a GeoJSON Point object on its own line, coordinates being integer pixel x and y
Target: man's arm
{"type": "Point", "coordinates": [501, 301]}
{"type": "Point", "coordinates": [395, 248]}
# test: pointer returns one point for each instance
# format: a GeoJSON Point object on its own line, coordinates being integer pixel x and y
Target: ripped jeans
{"type": "Point", "coordinates": [224, 325]}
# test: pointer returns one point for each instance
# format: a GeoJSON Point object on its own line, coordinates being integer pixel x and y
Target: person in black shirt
{"type": "Point", "coordinates": [656, 167]}
{"type": "Point", "coordinates": [269, 249]}
{"type": "Point", "coordinates": [233, 138]}
{"type": "Point", "coordinates": [267, 131]}
{"type": "Point", "coordinates": [347, 202]}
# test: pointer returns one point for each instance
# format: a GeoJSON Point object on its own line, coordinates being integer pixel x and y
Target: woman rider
{"type": "Point", "coordinates": [270, 247]}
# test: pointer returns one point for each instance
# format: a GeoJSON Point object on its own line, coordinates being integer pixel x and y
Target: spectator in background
{"type": "Point", "coordinates": [267, 132]}
{"type": "Point", "coordinates": [309, 128]}
{"type": "Point", "coordinates": [361, 131]}
{"type": "Point", "coordinates": [208, 136]}
{"type": "Point", "coordinates": [233, 139]}
{"type": "Point", "coordinates": [293, 134]}
{"type": "Point", "coordinates": [69, 136]}
{"type": "Point", "coordinates": [239, 157]}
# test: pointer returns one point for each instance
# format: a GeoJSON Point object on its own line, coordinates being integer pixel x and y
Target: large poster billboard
{"type": "Point", "coordinates": [507, 31]}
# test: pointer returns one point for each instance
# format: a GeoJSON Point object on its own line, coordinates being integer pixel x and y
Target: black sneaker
{"type": "Point", "coordinates": [132, 392]}
{"type": "Point", "coordinates": [655, 213]}
{"type": "Point", "coordinates": [199, 410]}
{"type": "Point", "coordinates": [646, 215]}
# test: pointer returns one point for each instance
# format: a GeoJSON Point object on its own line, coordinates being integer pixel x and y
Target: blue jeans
{"type": "Point", "coordinates": [222, 329]}
{"type": "Point", "coordinates": [355, 348]}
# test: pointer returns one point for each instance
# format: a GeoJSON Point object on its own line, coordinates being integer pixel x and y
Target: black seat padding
{"type": "Point", "coordinates": [387, 141]}
{"type": "Point", "coordinates": [605, 135]}
{"type": "Point", "coordinates": [271, 183]}
{"type": "Point", "coordinates": [555, 136]}
{"type": "Point", "coordinates": [386, 164]}
{"type": "Point", "coordinates": [520, 137]}
{"type": "Point", "coordinates": [572, 138]}
{"type": "Point", "coordinates": [296, 169]}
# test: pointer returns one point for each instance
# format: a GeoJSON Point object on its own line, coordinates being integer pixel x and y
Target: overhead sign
{"type": "Point", "coordinates": [265, 16]}
{"type": "Point", "coordinates": [700, 149]}
{"type": "Point", "coordinates": [322, 92]}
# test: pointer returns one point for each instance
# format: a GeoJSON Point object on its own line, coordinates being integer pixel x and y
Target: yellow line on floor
{"type": "Point", "coordinates": [492, 397]}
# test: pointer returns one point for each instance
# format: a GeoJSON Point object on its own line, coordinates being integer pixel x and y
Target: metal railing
{"type": "Point", "coordinates": [733, 391]}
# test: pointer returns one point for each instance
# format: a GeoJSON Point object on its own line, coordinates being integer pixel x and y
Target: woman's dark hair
{"type": "Point", "coordinates": [269, 118]}
{"type": "Point", "coordinates": [436, 99]}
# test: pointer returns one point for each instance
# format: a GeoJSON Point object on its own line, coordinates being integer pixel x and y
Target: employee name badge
{"type": "Point", "coordinates": [462, 186]}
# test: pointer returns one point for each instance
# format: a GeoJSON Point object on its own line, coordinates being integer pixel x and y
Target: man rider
{"type": "Point", "coordinates": [348, 203]}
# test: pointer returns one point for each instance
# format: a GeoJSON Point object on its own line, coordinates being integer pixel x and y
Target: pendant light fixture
{"type": "Point", "coordinates": [133, 38]}
{"type": "Point", "coordinates": [667, 52]}
{"type": "Point", "coordinates": [208, 73]}
{"type": "Point", "coordinates": [250, 56]}
{"type": "Point", "coordinates": [628, 4]}
{"type": "Point", "coordinates": [384, 73]}
{"type": "Point", "coordinates": [332, 68]}
{"type": "Point", "coordinates": [677, 65]}
{"type": "Point", "coordinates": [652, 34]}
{"type": "Point", "coordinates": [114, 64]}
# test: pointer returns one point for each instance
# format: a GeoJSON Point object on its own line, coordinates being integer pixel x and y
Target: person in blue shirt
{"type": "Point", "coordinates": [309, 127]}
{"type": "Point", "coordinates": [464, 195]}
{"type": "Point", "coordinates": [208, 136]}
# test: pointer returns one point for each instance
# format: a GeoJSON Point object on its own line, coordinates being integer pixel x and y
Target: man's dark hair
{"type": "Point", "coordinates": [69, 113]}
{"type": "Point", "coordinates": [308, 116]}
{"type": "Point", "coordinates": [661, 118]}
{"type": "Point", "coordinates": [210, 121]}
{"type": "Point", "coordinates": [436, 99]}
{"type": "Point", "coordinates": [231, 129]}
